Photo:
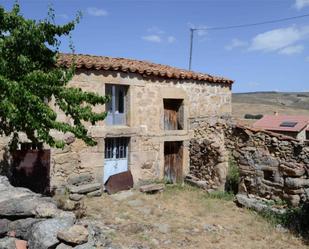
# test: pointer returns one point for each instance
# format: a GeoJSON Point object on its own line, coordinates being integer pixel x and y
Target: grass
{"type": "Point", "coordinates": [186, 211]}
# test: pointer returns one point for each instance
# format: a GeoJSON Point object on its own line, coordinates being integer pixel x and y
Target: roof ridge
{"type": "Point", "coordinates": [143, 67]}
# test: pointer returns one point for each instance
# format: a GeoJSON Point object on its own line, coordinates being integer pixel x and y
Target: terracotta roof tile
{"type": "Point", "coordinates": [144, 68]}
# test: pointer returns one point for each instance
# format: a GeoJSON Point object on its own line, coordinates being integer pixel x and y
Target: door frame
{"type": "Point", "coordinates": [174, 172]}
{"type": "Point", "coordinates": [114, 155]}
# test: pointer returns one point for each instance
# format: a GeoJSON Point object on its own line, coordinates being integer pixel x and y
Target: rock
{"type": "Point", "coordinates": [76, 235]}
{"type": "Point", "coordinates": [21, 244]}
{"type": "Point", "coordinates": [288, 171]}
{"type": "Point", "coordinates": [63, 246]}
{"type": "Point", "coordinates": [76, 197]}
{"type": "Point", "coordinates": [86, 188]}
{"type": "Point", "coordinates": [22, 227]}
{"type": "Point", "coordinates": [80, 179]}
{"type": "Point", "coordinates": [292, 199]}
{"type": "Point", "coordinates": [96, 193]}
{"type": "Point", "coordinates": [163, 228]}
{"type": "Point", "coordinates": [135, 203]}
{"type": "Point", "coordinates": [46, 210]}
{"type": "Point", "coordinates": [7, 243]}
{"type": "Point", "coordinates": [4, 226]}
{"type": "Point", "coordinates": [152, 188]}
{"type": "Point", "coordinates": [296, 182]}
{"type": "Point", "coordinates": [44, 234]}
{"type": "Point", "coordinates": [210, 228]}
{"type": "Point", "coordinates": [69, 205]}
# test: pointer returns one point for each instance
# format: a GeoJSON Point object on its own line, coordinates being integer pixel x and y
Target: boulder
{"type": "Point", "coordinates": [151, 188]}
{"type": "Point", "coordinates": [21, 244]}
{"type": "Point", "coordinates": [84, 189]}
{"type": "Point", "coordinates": [7, 243]}
{"type": "Point", "coordinates": [4, 226]}
{"type": "Point", "coordinates": [76, 235]}
{"type": "Point", "coordinates": [44, 234]}
{"type": "Point", "coordinates": [22, 227]}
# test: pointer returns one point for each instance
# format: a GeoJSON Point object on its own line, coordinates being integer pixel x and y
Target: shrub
{"type": "Point", "coordinates": [232, 178]}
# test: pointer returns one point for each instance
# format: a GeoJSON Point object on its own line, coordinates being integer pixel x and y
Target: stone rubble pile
{"type": "Point", "coordinates": [271, 166]}
{"type": "Point", "coordinates": [27, 218]}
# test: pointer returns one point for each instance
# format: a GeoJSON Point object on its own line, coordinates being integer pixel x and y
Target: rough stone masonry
{"type": "Point", "coordinates": [271, 166]}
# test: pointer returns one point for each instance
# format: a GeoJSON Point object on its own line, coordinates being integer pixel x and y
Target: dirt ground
{"type": "Point", "coordinates": [183, 217]}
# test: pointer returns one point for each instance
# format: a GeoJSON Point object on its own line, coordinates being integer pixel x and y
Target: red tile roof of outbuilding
{"type": "Point", "coordinates": [143, 68]}
{"type": "Point", "coordinates": [273, 122]}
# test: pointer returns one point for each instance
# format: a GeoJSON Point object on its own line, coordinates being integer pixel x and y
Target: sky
{"type": "Point", "coordinates": [272, 57]}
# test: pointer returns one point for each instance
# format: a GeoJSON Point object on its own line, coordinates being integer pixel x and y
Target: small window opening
{"type": "Point", "coordinates": [269, 175]}
{"type": "Point", "coordinates": [173, 114]}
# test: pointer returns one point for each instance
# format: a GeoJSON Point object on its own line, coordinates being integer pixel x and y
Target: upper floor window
{"type": "Point", "coordinates": [116, 108]}
{"type": "Point", "coordinates": [173, 114]}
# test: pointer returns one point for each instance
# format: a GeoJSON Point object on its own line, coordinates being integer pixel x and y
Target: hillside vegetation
{"type": "Point", "coordinates": [294, 103]}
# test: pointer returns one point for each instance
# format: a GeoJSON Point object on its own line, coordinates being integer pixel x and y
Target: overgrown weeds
{"type": "Point", "coordinates": [294, 219]}
{"type": "Point", "coordinates": [232, 178]}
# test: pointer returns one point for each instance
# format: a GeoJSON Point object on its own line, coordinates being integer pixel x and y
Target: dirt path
{"type": "Point", "coordinates": [183, 218]}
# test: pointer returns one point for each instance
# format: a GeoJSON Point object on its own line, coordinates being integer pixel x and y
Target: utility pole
{"type": "Point", "coordinates": [191, 47]}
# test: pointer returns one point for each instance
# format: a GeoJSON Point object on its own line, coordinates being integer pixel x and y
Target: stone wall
{"type": "Point", "coordinates": [271, 166]}
{"type": "Point", "coordinates": [145, 126]}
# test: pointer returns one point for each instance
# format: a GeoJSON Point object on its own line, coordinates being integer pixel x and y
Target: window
{"type": "Point", "coordinates": [116, 107]}
{"type": "Point", "coordinates": [173, 114]}
{"type": "Point", "coordinates": [288, 124]}
{"type": "Point", "coordinates": [116, 148]}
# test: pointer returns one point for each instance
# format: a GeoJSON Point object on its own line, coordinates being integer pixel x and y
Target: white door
{"type": "Point", "coordinates": [116, 156]}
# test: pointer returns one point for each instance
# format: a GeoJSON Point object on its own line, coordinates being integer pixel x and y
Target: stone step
{"type": "Point", "coordinates": [151, 188]}
{"type": "Point", "coordinates": [84, 189]}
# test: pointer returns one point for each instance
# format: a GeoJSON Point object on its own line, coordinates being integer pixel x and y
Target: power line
{"type": "Point", "coordinates": [192, 30]}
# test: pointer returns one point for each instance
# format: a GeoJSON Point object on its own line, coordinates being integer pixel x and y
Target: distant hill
{"type": "Point", "coordinates": [290, 103]}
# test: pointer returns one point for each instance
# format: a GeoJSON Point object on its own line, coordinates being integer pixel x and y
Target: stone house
{"type": "Point", "coordinates": [295, 126]}
{"type": "Point", "coordinates": [148, 127]}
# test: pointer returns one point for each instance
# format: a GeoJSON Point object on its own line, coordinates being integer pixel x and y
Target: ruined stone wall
{"type": "Point", "coordinates": [271, 166]}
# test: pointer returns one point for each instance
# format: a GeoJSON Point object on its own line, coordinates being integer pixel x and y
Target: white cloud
{"type": "Point", "coordinates": [278, 39]}
{"type": "Point", "coordinates": [158, 35]}
{"type": "Point", "coordinates": [171, 39]}
{"type": "Point", "coordinates": [296, 49]}
{"type": "Point", "coordinates": [152, 38]}
{"type": "Point", "coordinates": [93, 11]}
{"type": "Point", "coordinates": [300, 4]}
{"type": "Point", "coordinates": [236, 43]}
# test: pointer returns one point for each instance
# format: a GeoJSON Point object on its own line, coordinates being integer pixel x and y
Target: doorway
{"type": "Point", "coordinates": [116, 156]}
{"type": "Point", "coordinates": [173, 161]}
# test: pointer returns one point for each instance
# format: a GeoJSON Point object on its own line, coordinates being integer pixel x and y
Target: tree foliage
{"type": "Point", "coordinates": [30, 77]}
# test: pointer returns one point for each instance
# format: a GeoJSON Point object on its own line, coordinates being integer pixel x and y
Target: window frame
{"type": "Point", "coordinates": [114, 117]}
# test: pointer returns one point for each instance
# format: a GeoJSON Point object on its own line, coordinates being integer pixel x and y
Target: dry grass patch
{"type": "Point", "coordinates": [184, 217]}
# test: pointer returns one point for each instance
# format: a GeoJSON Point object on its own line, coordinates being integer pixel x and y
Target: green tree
{"type": "Point", "coordinates": [30, 77]}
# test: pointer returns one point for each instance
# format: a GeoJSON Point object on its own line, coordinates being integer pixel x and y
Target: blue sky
{"type": "Point", "coordinates": [261, 58]}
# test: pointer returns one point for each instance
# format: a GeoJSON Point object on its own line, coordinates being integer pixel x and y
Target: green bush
{"type": "Point", "coordinates": [232, 178]}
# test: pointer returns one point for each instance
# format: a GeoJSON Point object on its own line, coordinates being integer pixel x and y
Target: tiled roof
{"type": "Point", "coordinates": [273, 122]}
{"type": "Point", "coordinates": [143, 68]}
